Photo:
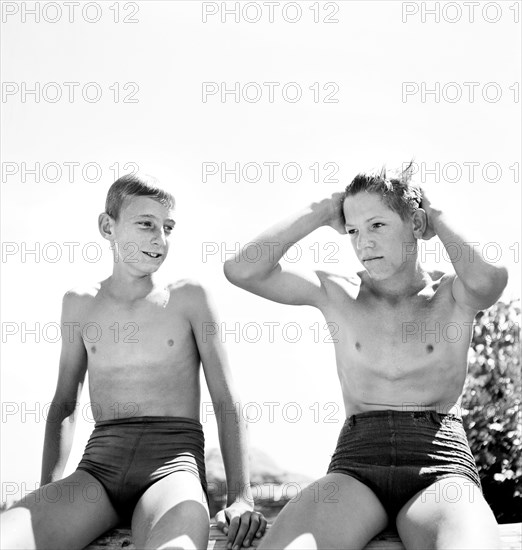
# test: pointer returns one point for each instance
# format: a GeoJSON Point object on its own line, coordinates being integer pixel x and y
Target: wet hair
{"type": "Point", "coordinates": [135, 185]}
{"type": "Point", "coordinates": [397, 192]}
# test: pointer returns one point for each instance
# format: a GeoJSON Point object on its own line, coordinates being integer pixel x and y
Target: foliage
{"type": "Point", "coordinates": [492, 410]}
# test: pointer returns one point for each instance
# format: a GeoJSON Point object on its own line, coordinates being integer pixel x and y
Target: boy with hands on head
{"type": "Point", "coordinates": [403, 446]}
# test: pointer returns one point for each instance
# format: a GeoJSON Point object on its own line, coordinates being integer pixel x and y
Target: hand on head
{"type": "Point", "coordinates": [425, 205]}
{"type": "Point", "coordinates": [337, 220]}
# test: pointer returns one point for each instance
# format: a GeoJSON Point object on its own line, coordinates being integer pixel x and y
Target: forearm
{"type": "Point", "coordinates": [260, 256]}
{"type": "Point", "coordinates": [234, 448]}
{"type": "Point", "coordinates": [475, 272]}
{"type": "Point", "coordinates": [59, 433]}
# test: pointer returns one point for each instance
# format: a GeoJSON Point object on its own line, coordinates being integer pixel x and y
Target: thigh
{"type": "Point", "coordinates": [67, 514]}
{"type": "Point", "coordinates": [452, 513]}
{"type": "Point", "coordinates": [172, 513]}
{"type": "Point", "coordinates": [337, 511]}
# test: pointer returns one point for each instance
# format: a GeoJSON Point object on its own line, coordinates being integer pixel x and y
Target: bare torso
{"type": "Point", "coordinates": [142, 356]}
{"type": "Point", "coordinates": [407, 355]}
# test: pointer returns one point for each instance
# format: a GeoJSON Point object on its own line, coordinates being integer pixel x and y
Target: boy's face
{"type": "Point", "coordinates": [141, 234]}
{"type": "Point", "coordinates": [379, 236]}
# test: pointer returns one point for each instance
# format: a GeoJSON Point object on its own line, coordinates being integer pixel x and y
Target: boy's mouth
{"type": "Point", "coordinates": [153, 255]}
{"type": "Point", "coordinates": [371, 259]}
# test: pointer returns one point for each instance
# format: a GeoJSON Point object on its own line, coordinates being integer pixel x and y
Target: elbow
{"type": "Point", "coordinates": [236, 272]}
{"type": "Point", "coordinates": [247, 274]}
{"type": "Point", "coordinates": [501, 279]}
{"type": "Point", "coordinates": [497, 280]}
{"type": "Point", "coordinates": [231, 271]}
{"type": "Point", "coordinates": [60, 409]}
{"type": "Point", "coordinates": [491, 287]}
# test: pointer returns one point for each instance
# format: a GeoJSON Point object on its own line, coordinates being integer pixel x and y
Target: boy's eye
{"type": "Point", "coordinates": [146, 224]}
{"type": "Point", "coordinates": [168, 228]}
{"type": "Point", "coordinates": [377, 224]}
{"type": "Point", "coordinates": [351, 231]}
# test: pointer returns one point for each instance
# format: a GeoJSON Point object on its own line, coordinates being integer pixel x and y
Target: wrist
{"type": "Point", "coordinates": [322, 211]}
{"type": "Point", "coordinates": [245, 498]}
{"type": "Point", "coordinates": [243, 504]}
{"type": "Point", "coordinates": [434, 215]}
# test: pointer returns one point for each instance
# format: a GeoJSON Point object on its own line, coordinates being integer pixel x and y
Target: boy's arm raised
{"type": "Point", "coordinates": [244, 523]}
{"type": "Point", "coordinates": [265, 276]}
{"type": "Point", "coordinates": [61, 419]}
{"type": "Point", "coordinates": [478, 284]}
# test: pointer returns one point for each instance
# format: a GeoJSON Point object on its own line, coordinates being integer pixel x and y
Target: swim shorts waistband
{"type": "Point", "coordinates": [428, 414]}
{"type": "Point", "coordinates": [149, 419]}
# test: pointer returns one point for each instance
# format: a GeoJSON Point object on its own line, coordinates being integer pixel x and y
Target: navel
{"type": "Point", "coordinates": [170, 343]}
{"type": "Point", "coordinates": [93, 349]}
{"type": "Point", "coordinates": [429, 348]}
{"type": "Point", "coordinates": [357, 346]}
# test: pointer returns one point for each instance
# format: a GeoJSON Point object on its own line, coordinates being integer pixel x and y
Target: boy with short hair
{"type": "Point", "coordinates": [144, 461]}
{"type": "Point", "coordinates": [402, 446]}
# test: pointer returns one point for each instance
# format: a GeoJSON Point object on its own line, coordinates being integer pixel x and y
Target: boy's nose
{"type": "Point", "coordinates": [363, 242]}
{"type": "Point", "coordinates": [159, 238]}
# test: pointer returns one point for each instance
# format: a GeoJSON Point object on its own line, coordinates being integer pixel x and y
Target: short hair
{"type": "Point", "coordinates": [398, 193]}
{"type": "Point", "coordinates": [135, 185]}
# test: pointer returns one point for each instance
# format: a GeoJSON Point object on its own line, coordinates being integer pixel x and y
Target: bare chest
{"type": "Point", "coordinates": [136, 337]}
{"type": "Point", "coordinates": [414, 336]}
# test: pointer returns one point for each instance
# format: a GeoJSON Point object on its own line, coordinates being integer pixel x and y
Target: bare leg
{"type": "Point", "coordinates": [450, 514]}
{"type": "Point", "coordinates": [172, 514]}
{"type": "Point", "coordinates": [337, 511]}
{"type": "Point", "coordinates": [66, 514]}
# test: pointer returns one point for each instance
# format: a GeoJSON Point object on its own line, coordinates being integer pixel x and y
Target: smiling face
{"type": "Point", "coordinates": [141, 234]}
{"type": "Point", "coordinates": [379, 235]}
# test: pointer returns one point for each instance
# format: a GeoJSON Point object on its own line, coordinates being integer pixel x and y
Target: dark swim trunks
{"type": "Point", "coordinates": [128, 455]}
{"type": "Point", "coordinates": [399, 453]}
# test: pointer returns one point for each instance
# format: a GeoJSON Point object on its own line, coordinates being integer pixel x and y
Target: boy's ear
{"type": "Point", "coordinates": [105, 225]}
{"type": "Point", "coordinates": [420, 222]}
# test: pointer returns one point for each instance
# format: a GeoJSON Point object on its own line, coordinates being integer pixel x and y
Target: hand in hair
{"type": "Point", "coordinates": [425, 205]}
{"type": "Point", "coordinates": [336, 217]}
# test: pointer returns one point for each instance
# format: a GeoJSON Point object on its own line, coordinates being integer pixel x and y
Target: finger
{"type": "Point", "coordinates": [241, 532]}
{"type": "Point", "coordinates": [221, 521]}
{"type": "Point", "coordinates": [220, 516]}
{"type": "Point", "coordinates": [262, 527]}
{"type": "Point", "coordinates": [223, 527]}
{"type": "Point", "coordinates": [253, 528]}
{"type": "Point", "coordinates": [232, 531]}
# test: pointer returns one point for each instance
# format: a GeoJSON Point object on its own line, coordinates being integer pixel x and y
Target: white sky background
{"type": "Point", "coordinates": [170, 132]}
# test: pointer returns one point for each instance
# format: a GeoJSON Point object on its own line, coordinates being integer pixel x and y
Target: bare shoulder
{"type": "Point", "coordinates": [347, 285]}
{"type": "Point", "coordinates": [189, 295]}
{"type": "Point", "coordinates": [441, 282]}
{"type": "Point", "coordinates": [79, 297]}
{"type": "Point", "coordinates": [189, 288]}
{"type": "Point", "coordinates": [442, 288]}
{"type": "Point", "coordinates": [447, 291]}
{"type": "Point", "coordinates": [83, 292]}
{"type": "Point", "coordinates": [440, 278]}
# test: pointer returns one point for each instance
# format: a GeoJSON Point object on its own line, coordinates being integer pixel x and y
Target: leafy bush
{"type": "Point", "coordinates": [492, 411]}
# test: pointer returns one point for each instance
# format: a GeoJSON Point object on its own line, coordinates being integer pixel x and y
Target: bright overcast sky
{"type": "Point", "coordinates": [385, 83]}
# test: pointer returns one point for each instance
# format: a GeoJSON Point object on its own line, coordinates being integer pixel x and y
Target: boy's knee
{"type": "Point", "coordinates": [15, 529]}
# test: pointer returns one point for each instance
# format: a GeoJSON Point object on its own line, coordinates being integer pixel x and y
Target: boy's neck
{"type": "Point", "coordinates": [403, 285]}
{"type": "Point", "coordinates": [126, 286]}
